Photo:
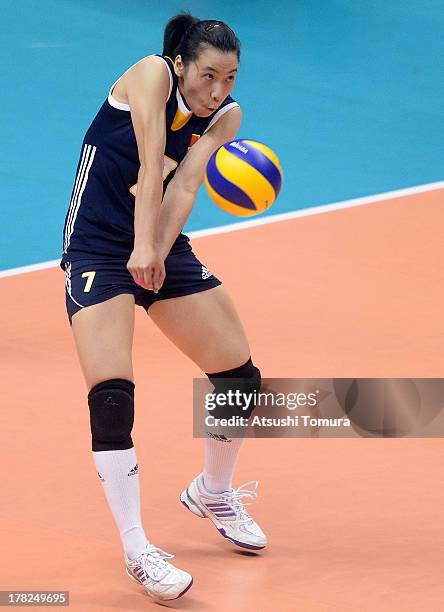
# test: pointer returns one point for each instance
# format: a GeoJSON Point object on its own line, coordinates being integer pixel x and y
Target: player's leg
{"type": "Point", "coordinates": [207, 328]}
{"type": "Point", "coordinates": [103, 334]}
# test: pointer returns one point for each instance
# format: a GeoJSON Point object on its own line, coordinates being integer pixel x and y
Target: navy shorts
{"type": "Point", "coordinates": [91, 281]}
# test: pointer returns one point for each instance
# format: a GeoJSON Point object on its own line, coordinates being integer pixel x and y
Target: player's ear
{"type": "Point", "coordinates": [179, 66]}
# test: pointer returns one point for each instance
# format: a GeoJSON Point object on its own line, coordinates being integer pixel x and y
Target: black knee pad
{"type": "Point", "coordinates": [242, 384]}
{"type": "Point", "coordinates": [111, 410]}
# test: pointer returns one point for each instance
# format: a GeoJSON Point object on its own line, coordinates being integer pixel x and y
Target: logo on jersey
{"type": "Point", "coordinates": [205, 273]}
{"type": "Point", "coordinates": [180, 120]}
{"type": "Point", "coordinates": [183, 114]}
{"type": "Point", "coordinates": [169, 165]}
{"type": "Point", "coordinates": [193, 140]}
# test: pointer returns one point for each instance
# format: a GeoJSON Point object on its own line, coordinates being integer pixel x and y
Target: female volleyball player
{"type": "Point", "coordinates": [141, 164]}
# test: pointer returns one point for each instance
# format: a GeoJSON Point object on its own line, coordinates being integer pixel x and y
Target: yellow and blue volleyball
{"type": "Point", "coordinates": [243, 177]}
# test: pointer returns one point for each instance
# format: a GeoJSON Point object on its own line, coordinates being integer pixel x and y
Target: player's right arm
{"type": "Point", "coordinates": [147, 86]}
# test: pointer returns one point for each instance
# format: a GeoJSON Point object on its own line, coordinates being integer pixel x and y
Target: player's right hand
{"type": "Point", "coordinates": [147, 268]}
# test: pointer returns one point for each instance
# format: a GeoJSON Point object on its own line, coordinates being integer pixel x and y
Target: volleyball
{"type": "Point", "coordinates": [243, 177]}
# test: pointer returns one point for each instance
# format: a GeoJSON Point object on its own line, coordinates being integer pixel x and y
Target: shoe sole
{"type": "Point", "coordinates": [191, 505]}
{"type": "Point", "coordinates": [158, 597]}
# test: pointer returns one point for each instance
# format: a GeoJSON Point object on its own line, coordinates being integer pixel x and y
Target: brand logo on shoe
{"type": "Point", "coordinates": [205, 273]}
{"type": "Point", "coordinates": [139, 572]}
{"type": "Point", "coordinates": [134, 471]}
{"type": "Point", "coordinates": [221, 509]}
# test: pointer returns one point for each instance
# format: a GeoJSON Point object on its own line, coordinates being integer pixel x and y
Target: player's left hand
{"type": "Point", "coordinates": [147, 268]}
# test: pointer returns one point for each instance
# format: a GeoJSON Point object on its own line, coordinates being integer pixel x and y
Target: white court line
{"type": "Point", "coordinates": [233, 227]}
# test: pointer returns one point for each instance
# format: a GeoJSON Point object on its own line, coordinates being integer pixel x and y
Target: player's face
{"type": "Point", "coordinates": [208, 80]}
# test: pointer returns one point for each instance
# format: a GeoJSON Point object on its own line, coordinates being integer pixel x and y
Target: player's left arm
{"type": "Point", "coordinates": [181, 192]}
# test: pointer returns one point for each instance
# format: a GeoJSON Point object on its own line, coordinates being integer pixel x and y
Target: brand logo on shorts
{"type": "Point", "coordinates": [205, 273]}
{"type": "Point", "coordinates": [101, 477]}
{"type": "Point", "coordinates": [134, 471]}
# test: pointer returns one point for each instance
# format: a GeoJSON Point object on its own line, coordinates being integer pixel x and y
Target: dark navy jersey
{"type": "Point", "coordinates": [100, 218]}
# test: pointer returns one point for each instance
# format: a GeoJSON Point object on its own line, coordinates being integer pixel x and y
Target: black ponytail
{"type": "Point", "coordinates": [184, 34]}
{"type": "Point", "coordinates": [174, 31]}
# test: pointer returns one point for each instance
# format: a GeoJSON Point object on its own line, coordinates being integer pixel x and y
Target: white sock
{"type": "Point", "coordinates": [220, 461]}
{"type": "Point", "coordinates": [119, 474]}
